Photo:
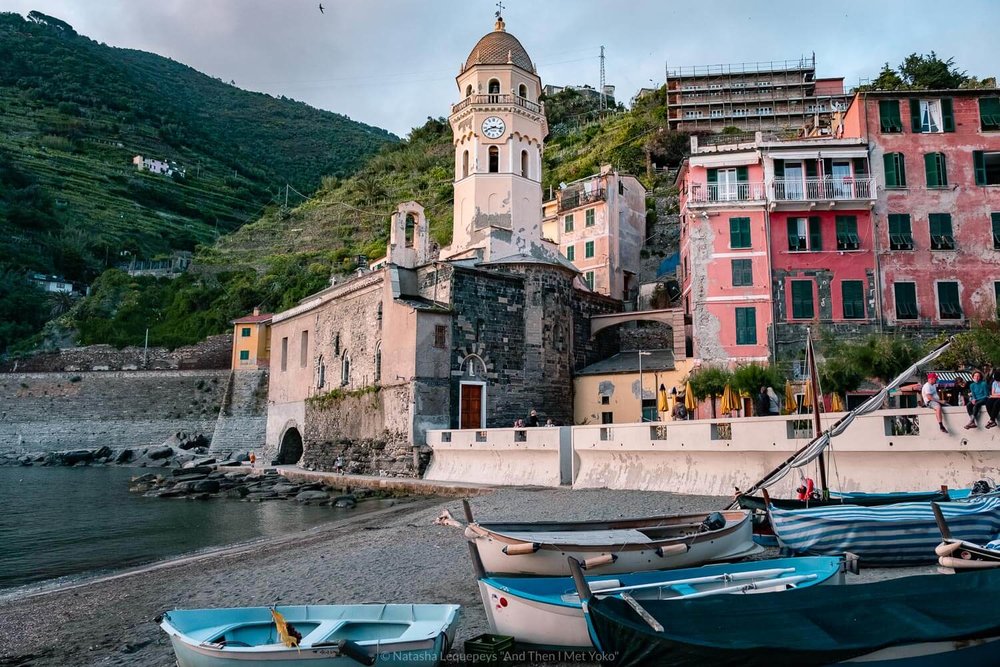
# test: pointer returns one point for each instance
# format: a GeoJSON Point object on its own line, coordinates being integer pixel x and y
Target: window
{"type": "Point", "coordinates": [588, 249]}
{"type": "Point", "coordinates": [802, 300]}
{"type": "Point", "coordinates": [888, 115]}
{"type": "Point", "coordinates": [408, 231]}
{"type": "Point", "coordinates": [746, 326]}
{"type": "Point", "coordinates": [468, 90]}
{"type": "Point", "coordinates": [378, 314]}
{"type": "Point", "coordinates": [465, 164]}
{"type": "Point", "coordinates": [724, 184]}
{"type": "Point", "coordinates": [932, 116]}
{"type": "Point", "coordinates": [847, 233]}
{"type": "Point", "coordinates": [937, 176]}
{"type": "Point", "coordinates": [900, 233]}
{"type": "Point", "coordinates": [949, 306]}
{"type": "Point", "coordinates": [995, 219]}
{"type": "Point", "coordinates": [493, 87]}
{"type": "Point", "coordinates": [588, 217]}
{"type": "Point", "coordinates": [605, 400]}
{"type": "Point", "coordinates": [378, 362]}
{"type": "Point", "coordinates": [571, 253]}
{"type": "Point", "coordinates": [804, 234]}
{"type": "Point", "coordinates": [321, 374]}
{"type": "Point", "coordinates": [987, 167]}
{"type": "Point", "coordinates": [941, 236]}
{"type": "Point", "coordinates": [568, 223]}
{"type": "Point", "coordinates": [336, 344]}
{"type": "Point", "coordinates": [989, 113]}
{"type": "Point", "coordinates": [588, 278]}
{"type": "Point", "coordinates": [742, 272]}
{"type": "Point", "coordinates": [895, 170]}
{"type": "Point", "coordinates": [244, 355]}
{"type": "Point", "coordinates": [522, 91]}
{"type": "Point", "coordinates": [996, 297]}
{"type": "Point", "coordinates": [494, 160]}
{"type": "Point", "coordinates": [621, 187]}
{"type": "Point", "coordinates": [440, 336]}
{"type": "Point", "coordinates": [607, 417]}
{"type": "Point", "coordinates": [284, 353]}
{"type": "Point", "coordinates": [853, 293]}
{"type": "Point", "coordinates": [906, 301]}
{"type": "Point", "coordinates": [524, 164]}
{"type": "Point", "coordinates": [245, 332]}
{"type": "Point", "coordinates": [345, 370]}
{"type": "Point", "coordinates": [739, 232]}
{"type": "Point", "coordinates": [304, 349]}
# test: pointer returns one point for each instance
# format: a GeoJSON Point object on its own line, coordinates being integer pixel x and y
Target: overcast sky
{"type": "Point", "coordinates": [392, 63]}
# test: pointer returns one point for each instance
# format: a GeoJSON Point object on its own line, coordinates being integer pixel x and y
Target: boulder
{"type": "Point", "coordinates": [306, 496]}
{"type": "Point", "coordinates": [201, 462]}
{"type": "Point", "coordinates": [103, 452]}
{"type": "Point", "coordinates": [70, 458]}
{"type": "Point", "coordinates": [161, 452]}
{"type": "Point", "coordinates": [148, 477]}
{"type": "Point", "coordinates": [345, 501]}
{"type": "Point", "coordinates": [237, 492]}
{"type": "Point", "coordinates": [228, 463]}
{"type": "Point", "coordinates": [124, 456]}
{"type": "Point", "coordinates": [206, 486]}
{"type": "Point", "coordinates": [285, 488]}
{"type": "Point", "coordinates": [185, 470]}
{"type": "Point", "coordinates": [188, 478]}
{"type": "Point", "coordinates": [240, 456]}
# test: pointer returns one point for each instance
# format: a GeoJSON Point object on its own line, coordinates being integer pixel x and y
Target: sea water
{"type": "Point", "coordinates": [70, 522]}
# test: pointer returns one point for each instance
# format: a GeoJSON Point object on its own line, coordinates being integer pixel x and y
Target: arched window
{"type": "Point", "coordinates": [524, 164]}
{"type": "Point", "coordinates": [409, 230]}
{"type": "Point", "coordinates": [321, 373]}
{"type": "Point", "coordinates": [378, 361]}
{"type": "Point", "coordinates": [473, 367]}
{"type": "Point", "coordinates": [468, 90]}
{"type": "Point", "coordinates": [493, 88]}
{"type": "Point", "coordinates": [522, 91]}
{"type": "Point", "coordinates": [465, 164]}
{"type": "Point", "coordinates": [494, 160]}
{"type": "Point", "coordinates": [378, 314]}
{"type": "Point", "coordinates": [345, 370]}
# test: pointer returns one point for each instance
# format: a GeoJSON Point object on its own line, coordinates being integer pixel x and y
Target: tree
{"type": "Point", "coordinates": [880, 357]}
{"type": "Point", "coordinates": [887, 79]}
{"type": "Point", "coordinates": [839, 376]}
{"type": "Point", "coordinates": [922, 72]}
{"type": "Point", "coordinates": [709, 382]}
{"type": "Point", "coordinates": [977, 348]}
{"type": "Point", "coordinates": [749, 378]}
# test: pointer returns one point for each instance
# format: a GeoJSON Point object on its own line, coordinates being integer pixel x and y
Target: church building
{"type": "Point", "coordinates": [474, 336]}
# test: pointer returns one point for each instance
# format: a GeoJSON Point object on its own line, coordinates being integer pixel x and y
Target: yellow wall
{"type": "Point", "coordinates": [623, 399]}
{"type": "Point", "coordinates": [258, 344]}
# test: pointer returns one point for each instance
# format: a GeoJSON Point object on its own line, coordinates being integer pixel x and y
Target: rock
{"type": "Point", "coordinates": [261, 495]}
{"type": "Point", "coordinates": [345, 501]}
{"type": "Point", "coordinates": [103, 452]}
{"type": "Point", "coordinates": [192, 470]}
{"type": "Point", "coordinates": [285, 488]}
{"type": "Point", "coordinates": [188, 478]}
{"type": "Point", "coordinates": [148, 477]}
{"type": "Point", "coordinates": [240, 456]}
{"type": "Point", "coordinates": [306, 496]}
{"type": "Point", "coordinates": [228, 463]}
{"type": "Point", "coordinates": [237, 492]}
{"type": "Point", "coordinates": [200, 462]}
{"type": "Point", "coordinates": [81, 464]}
{"type": "Point", "coordinates": [238, 474]}
{"type": "Point", "coordinates": [206, 486]}
{"type": "Point", "coordinates": [70, 458]}
{"type": "Point", "coordinates": [124, 456]}
{"type": "Point", "coordinates": [161, 452]}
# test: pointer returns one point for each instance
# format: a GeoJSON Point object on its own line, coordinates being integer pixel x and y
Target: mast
{"type": "Point", "coordinates": [817, 426]}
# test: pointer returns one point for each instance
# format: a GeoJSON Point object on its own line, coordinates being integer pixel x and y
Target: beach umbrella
{"type": "Point", "coordinates": [730, 401]}
{"type": "Point", "coordinates": [836, 405]}
{"type": "Point", "coordinates": [690, 402]}
{"type": "Point", "coordinates": [807, 400]}
{"type": "Point", "coordinates": [662, 402]}
{"type": "Point", "coordinates": [789, 397]}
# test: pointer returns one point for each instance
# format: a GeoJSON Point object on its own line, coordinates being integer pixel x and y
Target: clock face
{"type": "Point", "coordinates": [493, 127]}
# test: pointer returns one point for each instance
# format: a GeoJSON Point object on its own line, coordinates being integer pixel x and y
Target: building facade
{"type": "Point", "coordinates": [251, 341]}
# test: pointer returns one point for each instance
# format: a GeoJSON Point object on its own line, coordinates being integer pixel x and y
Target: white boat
{"type": "Point", "coordinates": [335, 635]}
{"type": "Point", "coordinates": [545, 612]}
{"type": "Point", "coordinates": [612, 547]}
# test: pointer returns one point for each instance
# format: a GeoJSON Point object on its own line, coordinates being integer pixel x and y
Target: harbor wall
{"type": "Point", "coordinates": [502, 456]}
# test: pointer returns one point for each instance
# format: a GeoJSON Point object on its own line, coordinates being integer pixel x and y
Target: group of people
{"type": "Point", "coordinates": [768, 402]}
{"type": "Point", "coordinates": [532, 421]}
{"type": "Point", "coordinates": [977, 394]}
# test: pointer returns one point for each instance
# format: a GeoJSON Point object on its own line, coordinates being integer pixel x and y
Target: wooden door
{"type": "Point", "coordinates": [472, 406]}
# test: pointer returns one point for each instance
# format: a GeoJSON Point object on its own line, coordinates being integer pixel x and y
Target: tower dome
{"type": "Point", "coordinates": [499, 48]}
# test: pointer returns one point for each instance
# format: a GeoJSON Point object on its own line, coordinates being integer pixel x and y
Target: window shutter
{"type": "Point", "coordinates": [891, 178]}
{"type": "Point", "coordinates": [989, 113]}
{"type": "Point", "coordinates": [860, 167]}
{"type": "Point", "coordinates": [742, 174]}
{"type": "Point", "coordinates": [793, 234]}
{"type": "Point", "coordinates": [779, 168]}
{"type": "Point", "coordinates": [942, 169]}
{"type": "Point", "coordinates": [931, 165]}
{"type": "Point", "coordinates": [884, 114]}
{"type": "Point", "coordinates": [900, 169]}
{"type": "Point", "coordinates": [948, 114]}
{"type": "Point", "coordinates": [811, 171]}
{"type": "Point", "coordinates": [713, 176]}
{"type": "Point", "coordinates": [815, 235]}
{"type": "Point", "coordinates": [979, 165]}
{"type": "Point", "coordinates": [915, 114]}
{"type": "Point", "coordinates": [827, 167]}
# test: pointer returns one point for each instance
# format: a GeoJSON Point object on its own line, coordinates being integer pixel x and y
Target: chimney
{"type": "Point", "coordinates": [256, 311]}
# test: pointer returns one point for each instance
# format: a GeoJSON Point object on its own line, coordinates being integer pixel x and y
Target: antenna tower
{"type": "Point", "coordinates": [604, 99]}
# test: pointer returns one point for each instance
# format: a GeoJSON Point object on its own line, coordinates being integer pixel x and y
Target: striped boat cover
{"type": "Point", "coordinates": [900, 534]}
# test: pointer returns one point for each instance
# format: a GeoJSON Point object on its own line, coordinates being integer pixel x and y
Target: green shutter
{"type": "Point", "coordinates": [995, 220]}
{"type": "Point", "coordinates": [811, 169]}
{"type": "Point", "coordinates": [802, 300]}
{"type": "Point", "coordinates": [891, 177]}
{"type": "Point", "coordinates": [942, 169]}
{"type": "Point", "coordinates": [852, 295]}
{"type": "Point", "coordinates": [815, 234]}
{"type": "Point", "coordinates": [948, 114]}
{"type": "Point", "coordinates": [779, 168]}
{"type": "Point", "coordinates": [713, 176]}
{"type": "Point", "coordinates": [746, 326]}
{"type": "Point", "coordinates": [739, 232]}
{"type": "Point", "coordinates": [915, 114]}
{"type": "Point", "coordinates": [742, 174]}
{"type": "Point", "coordinates": [886, 115]}
{"type": "Point", "coordinates": [901, 169]}
{"type": "Point", "coordinates": [979, 165]}
{"type": "Point", "coordinates": [906, 301]}
{"type": "Point", "coordinates": [933, 174]}
{"type": "Point", "coordinates": [989, 113]}
{"type": "Point", "coordinates": [948, 301]}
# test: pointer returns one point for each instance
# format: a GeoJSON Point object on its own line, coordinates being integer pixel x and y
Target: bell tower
{"type": "Point", "coordinates": [498, 128]}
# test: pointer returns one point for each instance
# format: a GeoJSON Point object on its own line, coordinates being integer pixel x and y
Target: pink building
{"type": "Point", "coordinates": [936, 155]}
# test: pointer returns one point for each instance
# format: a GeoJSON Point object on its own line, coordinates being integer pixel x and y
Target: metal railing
{"type": "Point", "coordinates": [573, 200]}
{"type": "Point", "coordinates": [498, 99]}
{"type": "Point", "coordinates": [712, 193]}
{"type": "Point", "coordinates": [797, 189]}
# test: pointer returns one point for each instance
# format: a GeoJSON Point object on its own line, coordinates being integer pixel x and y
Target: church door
{"type": "Point", "coordinates": [471, 406]}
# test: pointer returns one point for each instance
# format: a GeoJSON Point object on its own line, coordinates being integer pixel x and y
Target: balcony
{"type": "Point", "coordinates": [571, 200]}
{"type": "Point", "coordinates": [496, 100]}
{"type": "Point", "coordinates": [726, 193]}
{"type": "Point", "coordinates": [822, 189]}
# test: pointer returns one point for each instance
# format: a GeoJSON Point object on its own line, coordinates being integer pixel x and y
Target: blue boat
{"type": "Point", "coordinates": [901, 534]}
{"type": "Point", "coordinates": [546, 612]}
{"type": "Point", "coordinates": [312, 635]}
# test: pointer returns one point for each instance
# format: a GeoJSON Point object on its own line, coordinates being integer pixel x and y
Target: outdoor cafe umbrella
{"type": "Point", "coordinates": [836, 405]}
{"type": "Point", "coordinates": [807, 400]}
{"type": "Point", "coordinates": [789, 397]}
{"type": "Point", "coordinates": [730, 401]}
{"type": "Point", "coordinates": [662, 403]}
{"type": "Point", "coordinates": [690, 402]}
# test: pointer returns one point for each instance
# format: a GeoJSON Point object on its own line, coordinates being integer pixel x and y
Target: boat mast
{"type": "Point", "coordinates": [817, 426]}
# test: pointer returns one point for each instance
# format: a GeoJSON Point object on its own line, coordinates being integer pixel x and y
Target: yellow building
{"type": "Point", "coordinates": [607, 392]}
{"type": "Point", "coordinates": [252, 341]}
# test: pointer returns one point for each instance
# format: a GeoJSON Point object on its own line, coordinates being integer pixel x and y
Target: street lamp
{"type": "Point", "coordinates": [642, 415]}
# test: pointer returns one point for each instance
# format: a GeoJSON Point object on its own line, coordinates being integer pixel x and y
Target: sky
{"type": "Point", "coordinates": [392, 63]}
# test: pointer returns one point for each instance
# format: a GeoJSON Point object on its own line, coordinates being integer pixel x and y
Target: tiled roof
{"type": "Point", "coordinates": [628, 362]}
{"type": "Point", "coordinates": [254, 319]}
{"type": "Point", "coordinates": [498, 48]}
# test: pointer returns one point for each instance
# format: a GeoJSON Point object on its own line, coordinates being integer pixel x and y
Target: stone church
{"type": "Point", "coordinates": [474, 336]}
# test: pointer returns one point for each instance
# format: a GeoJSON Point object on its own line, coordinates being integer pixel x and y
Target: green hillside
{"type": "Point", "coordinates": [74, 112]}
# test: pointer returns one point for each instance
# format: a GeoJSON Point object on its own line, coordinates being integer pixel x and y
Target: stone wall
{"type": "Point", "coordinates": [53, 411]}
{"type": "Point", "coordinates": [587, 349]}
{"type": "Point", "coordinates": [242, 419]}
{"type": "Point", "coordinates": [212, 353]}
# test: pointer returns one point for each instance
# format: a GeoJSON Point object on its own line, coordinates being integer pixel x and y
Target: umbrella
{"type": "Point", "coordinates": [836, 405]}
{"type": "Point", "coordinates": [662, 403]}
{"type": "Point", "coordinates": [789, 397]}
{"type": "Point", "coordinates": [807, 400]}
{"type": "Point", "coordinates": [690, 402]}
{"type": "Point", "coordinates": [730, 401]}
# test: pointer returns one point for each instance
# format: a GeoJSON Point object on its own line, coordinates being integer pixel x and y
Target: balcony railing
{"type": "Point", "coordinates": [493, 99]}
{"type": "Point", "coordinates": [577, 199]}
{"type": "Point", "coordinates": [713, 193]}
{"type": "Point", "coordinates": [826, 189]}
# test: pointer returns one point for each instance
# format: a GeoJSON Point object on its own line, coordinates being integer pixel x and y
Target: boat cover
{"type": "Point", "coordinates": [863, 499]}
{"type": "Point", "coordinates": [900, 534]}
{"type": "Point", "coordinates": [580, 537]}
{"type": "Point", "coordinates": [807, 626]}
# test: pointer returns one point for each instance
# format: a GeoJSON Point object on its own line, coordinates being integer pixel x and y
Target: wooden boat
{"type": "Point", "coordinates": [341, 635]}
{"type": "Point", "coordinates": [546, 612]}
{"type": "Point", "coordinates": [612, 547]}
{"type": "Point", "coordinates": [847, 498]}
{"type": "Point", "coordinates": [960, 556]}
{"type": "Point", "coordinates": [901, 534]}
{"type": "Point", "coordinates": [902, 622]}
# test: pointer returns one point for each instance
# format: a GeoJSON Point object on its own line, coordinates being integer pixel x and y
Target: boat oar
{"type": "Point", "coordinates": [352, 650]}
{"type": "Point", "coordinates": [754, 586]}
{"type": "Point", "coordinates": [736, 576]}
{"type": "Point", "coordinates": [941, 523]}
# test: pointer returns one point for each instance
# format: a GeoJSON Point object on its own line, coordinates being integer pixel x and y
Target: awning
{"type": "Point", "coordinates": [733, 159]}
{"type": "Point", "coordinates": [818, 154]}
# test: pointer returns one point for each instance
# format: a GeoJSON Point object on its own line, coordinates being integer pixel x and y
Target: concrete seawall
{"type": "Point", "coordinates": [501, 456]}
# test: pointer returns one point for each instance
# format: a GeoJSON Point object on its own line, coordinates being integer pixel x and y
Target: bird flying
{"type": "Point", "coordinates": [321, 8]}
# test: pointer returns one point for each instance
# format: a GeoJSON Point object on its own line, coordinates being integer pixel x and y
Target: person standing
{"type": "Point", "coordinates": [532, 419]}
{"type": "Point", "coordinates": [979, 392]}
{"type": "Point", "coordinates": [933, 400]}
{"type": "Point", "coordinates": [763, 403]}
{"type": "Point", "coordinates": [775, 407]}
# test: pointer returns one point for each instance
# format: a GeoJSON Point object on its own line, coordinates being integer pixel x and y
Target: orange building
{"type": "Point", "coordinates": [252, 341]}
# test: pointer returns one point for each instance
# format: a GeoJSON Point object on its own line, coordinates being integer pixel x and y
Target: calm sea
{"type": "Point", "coordinates": [68, 522]}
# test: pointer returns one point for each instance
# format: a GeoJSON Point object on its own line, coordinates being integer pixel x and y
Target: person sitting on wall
{"type": "Point", "coordinates": [532, 419]}
{"type": "Point", "coordinates": [993, 402]}
{"type": "Point", "coordinates": [680, 410]}
{"type": "Point", "coordinates": [932, 399]}
{"type": "Point", "coordinates": [979, 392]}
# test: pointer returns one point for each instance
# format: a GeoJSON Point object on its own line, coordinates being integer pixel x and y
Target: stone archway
{"type": "Point", "coordinates": [290, 450]}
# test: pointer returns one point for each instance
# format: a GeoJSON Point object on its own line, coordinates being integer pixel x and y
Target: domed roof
{"type": "Point", "coordinates": [499, 48]}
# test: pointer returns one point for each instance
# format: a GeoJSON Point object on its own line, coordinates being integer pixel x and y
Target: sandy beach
{"type": "Point", "coordinates": [392, 555]}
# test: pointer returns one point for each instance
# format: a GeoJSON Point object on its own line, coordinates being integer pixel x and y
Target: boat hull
{"type": "Point", "coordinates": [426, 653]}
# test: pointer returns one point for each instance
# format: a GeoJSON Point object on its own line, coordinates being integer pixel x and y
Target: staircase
{"type": "Point", "coordinates": [242, 419]}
